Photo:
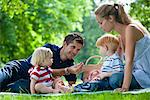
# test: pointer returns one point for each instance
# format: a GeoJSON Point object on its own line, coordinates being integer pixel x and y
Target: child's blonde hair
{"type": "Point", "coordinates": [108, 39]}
{"type": "Point", "coordinates": [40, 54]}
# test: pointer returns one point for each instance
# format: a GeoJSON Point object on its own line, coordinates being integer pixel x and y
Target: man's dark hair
{"type": "Point", "coordinates": [75, 36]}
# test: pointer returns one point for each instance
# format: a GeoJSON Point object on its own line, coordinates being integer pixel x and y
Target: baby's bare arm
{"type": "Point", "coordinates": [105, 74]}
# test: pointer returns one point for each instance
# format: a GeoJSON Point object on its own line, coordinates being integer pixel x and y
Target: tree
{"type": "Point", "coordinates": [27, 24]}
{"type": "Point", "coordinates": [91, 33]}
{"type": "Point", "coordinates": [140, 10]}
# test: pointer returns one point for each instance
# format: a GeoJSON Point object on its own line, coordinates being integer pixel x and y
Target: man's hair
{"type": "Point", "coordinates": [109, 40]}
{"type": "Point", "coordinates": [39, 55]}
{"type": "Point", "coordinates": [75, 36]}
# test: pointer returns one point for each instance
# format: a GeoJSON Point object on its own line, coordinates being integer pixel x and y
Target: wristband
{"type": "Point", "coordinates": [66, 71]}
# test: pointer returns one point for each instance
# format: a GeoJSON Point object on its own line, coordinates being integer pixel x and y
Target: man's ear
{"type": "Point", "coordinates": [64, 43]}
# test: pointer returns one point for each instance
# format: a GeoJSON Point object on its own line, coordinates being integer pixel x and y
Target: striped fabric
{"type": "Point", "coordinates": [41, 74]}
{"type": "Point", "coordinates": [113, 64]}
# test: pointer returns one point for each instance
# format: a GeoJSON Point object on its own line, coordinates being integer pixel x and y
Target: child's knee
{"type": "Point", "coordinates": [38, 86]}
{"type": "Point", "coordinates": [116, 80]}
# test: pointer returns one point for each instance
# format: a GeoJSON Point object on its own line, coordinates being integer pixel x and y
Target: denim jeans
{"type": "Point", "coordinates": [14, 77]}
{"type": "Point", "coordinates": [19, 86]}
{"type": "Point", "coordinates": [110, 83]}
{"type": "Point", "coordinates": [116, 81]}
{"type": "Point", "coordinates": [97, 85]}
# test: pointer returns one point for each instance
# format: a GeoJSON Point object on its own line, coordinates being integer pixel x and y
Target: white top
{"type": "Point", "coordinates": [141, 65]}
{"type": "Point", "coordinates": [42, 75]}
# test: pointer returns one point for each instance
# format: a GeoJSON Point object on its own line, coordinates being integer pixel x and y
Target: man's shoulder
{"type": "Point", "coordinates": [53, 47]}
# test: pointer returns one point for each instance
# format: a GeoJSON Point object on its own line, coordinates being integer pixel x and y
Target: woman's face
{"type": "Point", "coordinates": [105, 24]}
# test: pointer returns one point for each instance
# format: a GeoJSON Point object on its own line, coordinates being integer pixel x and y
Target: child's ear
{"type": "Point", "coordinates": [106, 47]}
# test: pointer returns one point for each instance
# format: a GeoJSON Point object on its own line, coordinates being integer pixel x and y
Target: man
{"type": "Point", "coordinates": [14, 76]}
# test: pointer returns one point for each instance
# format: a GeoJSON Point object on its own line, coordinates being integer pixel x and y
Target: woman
{"type": "Point", "coordinates": [135, 45]}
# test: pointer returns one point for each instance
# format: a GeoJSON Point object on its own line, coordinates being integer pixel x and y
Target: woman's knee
{"type": "Point", "coordinates": [116, 80]}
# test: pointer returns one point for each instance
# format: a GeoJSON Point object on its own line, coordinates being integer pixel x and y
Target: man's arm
{"type": "Point", "coordinates": [68, 70]}
{"type": "Point", "coordinates": [58, 72]}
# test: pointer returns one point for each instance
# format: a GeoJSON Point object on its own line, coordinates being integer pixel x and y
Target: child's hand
{"type": "Point", "coordinates": [104, 75]}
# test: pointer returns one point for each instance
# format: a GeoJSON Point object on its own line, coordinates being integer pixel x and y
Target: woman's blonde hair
{"type": "Point", "coordinates": [116, 10]}
{"type": "Point", "coordinates": [119, 13]}
{"type": "Point", "coordinates": [108, 39]}
{"type": "Point", "coordinates": [40, 54]}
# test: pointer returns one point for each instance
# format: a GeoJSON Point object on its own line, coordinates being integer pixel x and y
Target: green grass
{"type": "Point", "coordinates": [102, 96]}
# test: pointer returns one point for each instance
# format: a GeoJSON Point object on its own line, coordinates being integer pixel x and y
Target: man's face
{"type": "Point", "coordinates": [71, 50]}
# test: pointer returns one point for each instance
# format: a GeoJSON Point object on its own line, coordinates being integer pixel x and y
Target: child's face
{"type": "Point", "coordinates": [102, 50]}
{"type": "Point", "coordinates": [48, 61]}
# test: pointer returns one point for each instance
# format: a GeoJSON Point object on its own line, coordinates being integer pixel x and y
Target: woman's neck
{"type": "Point", "coordinates": [120, 28]}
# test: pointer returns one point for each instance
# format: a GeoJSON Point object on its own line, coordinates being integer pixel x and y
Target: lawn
{"type": "Point", "coordinates": [101, 96]}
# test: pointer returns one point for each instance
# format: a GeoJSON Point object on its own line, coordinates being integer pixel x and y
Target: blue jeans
{"type": "Point", "coordinates": [116, 81]}
{"type": "Point", "coordinates": [97, 85]}
{"type": "Point", "coordinates": [19, 86]}
{"type": "Point", "coordinates": [110, 83]}
{"type": "Point", "coordinates": [14, 77]}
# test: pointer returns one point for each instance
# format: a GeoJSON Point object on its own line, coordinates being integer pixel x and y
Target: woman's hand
{"type": "Point", "coordinates": [121, 89]}
{"type": "Point", "coordinates": [75, 69]}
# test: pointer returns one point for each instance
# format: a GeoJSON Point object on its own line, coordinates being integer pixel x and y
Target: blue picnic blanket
{"type": "Point", "coordinates": [79, 93]}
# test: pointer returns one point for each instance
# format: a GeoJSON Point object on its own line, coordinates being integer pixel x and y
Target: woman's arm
{"type": "Point", "coordinates": [131, 36]}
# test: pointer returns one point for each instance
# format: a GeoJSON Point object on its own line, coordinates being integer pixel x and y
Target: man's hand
{"type": "Point", "coordinates": [76, 68]}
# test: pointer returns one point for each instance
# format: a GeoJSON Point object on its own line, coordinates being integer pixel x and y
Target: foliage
{"type": "Point", "coordinates": [27, 24]}
{"type": "Point", "coordinates": [91, 33]}
{"type": "Point", "coordinates": [140, 10]}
